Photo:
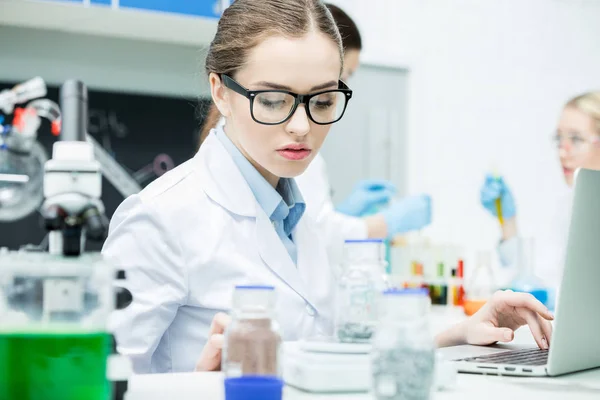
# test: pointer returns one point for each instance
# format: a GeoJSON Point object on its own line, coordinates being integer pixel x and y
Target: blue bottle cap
{"type": "Point", "coordinates": [253, 388]}
{"type": "Point", "coordinates": [363, 241]}
{"type": "Point", "coordinates": [406, 292]}
{"type": "Point", "coordinates": [255, 287]}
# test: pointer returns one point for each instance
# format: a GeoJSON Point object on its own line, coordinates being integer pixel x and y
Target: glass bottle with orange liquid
{"type": "Point", "coordinates": [481, 286]}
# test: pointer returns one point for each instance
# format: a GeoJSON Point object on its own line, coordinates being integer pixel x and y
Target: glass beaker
{"type": "Point", "coordinates": [525, 278]}
{"type": "Point", "coordinates": [482, 285]}
{"type": "Point", "coordinates": [362, 278]}
{"type": "Point", "coordinates": [375, 209]}
{"type": "Point", "coordinates": [53, 338]}
{"type": "Point", "coordinates": [252, 341]}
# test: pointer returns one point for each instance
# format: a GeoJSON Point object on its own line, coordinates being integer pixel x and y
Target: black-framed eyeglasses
{"type": "Point", "coordinates": [274, 107]}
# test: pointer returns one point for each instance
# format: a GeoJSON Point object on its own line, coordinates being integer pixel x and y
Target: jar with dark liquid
{"type": "Point", "coordinates": [252, 341]}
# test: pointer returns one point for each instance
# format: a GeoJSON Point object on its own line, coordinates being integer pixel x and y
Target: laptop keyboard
{"type": "Point", "coordinates": [516, 357]}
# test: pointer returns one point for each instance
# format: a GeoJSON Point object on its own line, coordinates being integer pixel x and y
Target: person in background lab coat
{"type": "Point", "coordinates": [233, 214]}
{"type": "Point", "coordinates": [346, 221]}
{"type": "Point", "coordinates": [578, 142]}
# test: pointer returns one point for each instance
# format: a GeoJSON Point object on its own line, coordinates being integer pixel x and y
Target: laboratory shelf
{"type": "Point", "coordinates": [102, 20]}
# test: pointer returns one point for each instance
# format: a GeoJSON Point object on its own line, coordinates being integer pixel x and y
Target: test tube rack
{"type": "Point", "coordinates": [438, 268]}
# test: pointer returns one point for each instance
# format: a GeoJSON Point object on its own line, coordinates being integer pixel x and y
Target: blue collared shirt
{"type": "Point", "coordinates": [283, 205]}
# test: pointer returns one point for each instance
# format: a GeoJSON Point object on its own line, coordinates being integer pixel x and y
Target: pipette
{"type": "Point", "coordinates": [498, 201]}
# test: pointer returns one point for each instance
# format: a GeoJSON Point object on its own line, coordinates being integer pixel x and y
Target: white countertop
{"type": "Point", "coordinates": [209, 385]}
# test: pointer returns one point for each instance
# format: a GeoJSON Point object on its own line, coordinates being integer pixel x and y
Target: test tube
{"type": "Point", "coordinates": [453, 289]}
{"type": "Point", "coordinates": [498, 201]}
{"type": "Point", "coordinates": [461, 290]}
{"type": "Point", "coordinates": [443, 288]}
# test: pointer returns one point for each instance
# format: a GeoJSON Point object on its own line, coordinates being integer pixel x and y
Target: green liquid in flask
{"type": "Point", "coordinates": [54, 366]}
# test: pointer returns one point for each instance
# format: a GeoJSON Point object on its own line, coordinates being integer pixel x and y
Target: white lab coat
{"type": "Point", "coordinates": [185, 241]}
{"type": "Point", "coordinates": [334, 226]}
{"type": "Point", "coordinates": [550, 242]}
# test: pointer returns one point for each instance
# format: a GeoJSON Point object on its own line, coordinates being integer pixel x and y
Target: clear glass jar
{"type": "Point", "coordinates": [403, 347]}
{"type": "Point", "coordinates": [363, 277]}
{"type": "Point", "coordinates": [53, 314]}
{"type": "Point", "coordinates": [253, 339]}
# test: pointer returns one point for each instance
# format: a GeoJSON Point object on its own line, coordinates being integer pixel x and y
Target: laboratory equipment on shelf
{"type": "Point", "coordinates": [362, 278]}
{"type": "Point", "coordinates": [21, 93]}
{"type": "Point", "coordinates": [54, 306]}
{"type": "Point", "coordinates": [482, 285]}
{"type": "Point", "coordinates": [525, 279]}
{"type": "Point", "coordinates": [22, 157]}
{"type": "Point", "coordinates": [252, 340]}
{"type": "Point", "coordinates": [403, 347]}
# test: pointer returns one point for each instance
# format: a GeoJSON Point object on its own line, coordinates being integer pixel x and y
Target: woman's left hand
{"type": "Point", "coordinates": [504, 313]}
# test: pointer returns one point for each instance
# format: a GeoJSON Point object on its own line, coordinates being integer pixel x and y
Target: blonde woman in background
{"type": "Point", "coordinates": [578, 142]}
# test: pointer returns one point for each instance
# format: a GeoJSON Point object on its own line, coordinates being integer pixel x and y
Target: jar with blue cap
{"type": "Point", "coordinates": [403, 347]}
{"type": "Point", "coordinates": [253, 339]}
{"type": "Point", "coordinates": [363, 277]}
{"type": "Point", "coordinates": [254, 388]}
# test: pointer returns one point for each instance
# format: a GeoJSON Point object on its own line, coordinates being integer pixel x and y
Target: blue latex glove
{"type": "Point", "coordinates": [409, 214]}
{"type": "Point", "coordinates": [494, 188]}
{"type": "Point", "coordinates": [366, 195]}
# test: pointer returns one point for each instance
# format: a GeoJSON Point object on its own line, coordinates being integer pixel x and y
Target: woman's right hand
{"type": "Point", "coordinates": [495, 188]}
{"type": "Point", "coordinates": [210, 359]}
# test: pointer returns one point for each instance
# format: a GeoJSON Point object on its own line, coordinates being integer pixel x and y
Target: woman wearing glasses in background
{"type": "Point", "coordinates": [233, 214]}
{"type": "Point", "coordinates": [578, 142]}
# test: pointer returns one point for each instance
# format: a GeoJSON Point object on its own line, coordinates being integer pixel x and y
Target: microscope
{"type": "Point", "coordinates": [72, 210]}
{"type": "Point", "coordinates": [55, 304]}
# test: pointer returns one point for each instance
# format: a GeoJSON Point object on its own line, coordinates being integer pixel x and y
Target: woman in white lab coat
{"type": "Point", "coordinates": [578, 143]}
{"type": "Point", "coordinates": [347, 220]}
{"type": "Point", "coordinates": [232, 215]}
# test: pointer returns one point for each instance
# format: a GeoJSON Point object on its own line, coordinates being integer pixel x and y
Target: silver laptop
{"type": "Point", "coordinates": [575, 343]}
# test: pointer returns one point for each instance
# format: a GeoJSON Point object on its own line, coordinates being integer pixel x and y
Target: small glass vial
{"type": "Point", "coordinates": [403, 352]}
{"type": "Point", "coordinates": [362, 278]}
{"type": "Point", "coordinates": [253, 340]}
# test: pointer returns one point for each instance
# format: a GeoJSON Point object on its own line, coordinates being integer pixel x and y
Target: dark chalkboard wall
{"type": "Point", "coordinates": [134, 129]}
